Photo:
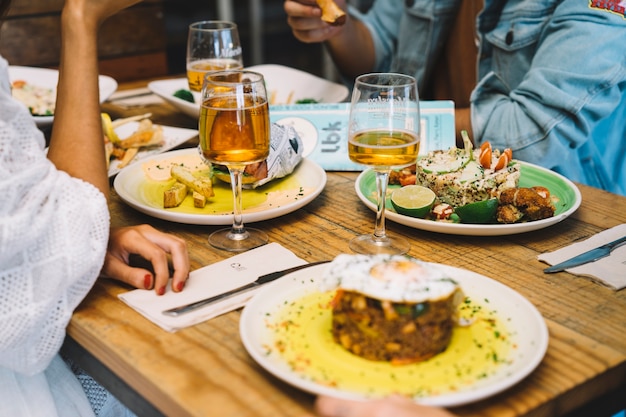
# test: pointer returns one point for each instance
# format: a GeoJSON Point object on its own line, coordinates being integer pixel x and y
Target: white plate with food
{"type": "Point", "coordinates": [171, 138]}
{"type": "Point", "coordinates": [285, 86]}
{"type": "Point", "coordinates": [566, 196]}
{"type": "Point", "coordinates": [482, 359]}
{"type": "Point", "coordinates": [274, 199]}
{"type": "Point", "coordinates": [36, 87]}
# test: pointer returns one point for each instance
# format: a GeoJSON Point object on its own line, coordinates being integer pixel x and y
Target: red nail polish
{"type": "Point", "coordinates": [180, 286]}
{"type": "Point", "coordinates": [147, 281]}
{"type": "Point", "coordinates": [161, 291]}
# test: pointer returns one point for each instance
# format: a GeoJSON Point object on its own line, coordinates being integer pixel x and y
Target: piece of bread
{"type": "Point", "coordinates": [202, 185]}
{"type": "Point", "coordinates": [331, 13]}
{"type": "Point", "coordinates": [174, 196]}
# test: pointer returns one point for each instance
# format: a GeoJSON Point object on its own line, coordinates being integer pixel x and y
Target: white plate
{"type": "Point", "coordinates": [568, 194]}
{"type": "Point", "coordinates": [48, 78]}
{"type": "Point", "coordinates": [526, 333]}
{"type": "Point", "coordinates": [294, 191]}
{"type": "Point", "coordinates": [172, 136]}
{"type": "Point", "coordinates": [286, 85]}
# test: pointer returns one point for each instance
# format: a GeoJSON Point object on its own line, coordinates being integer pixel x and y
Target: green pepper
{"type": "Point", "coordinates": [185, 95]}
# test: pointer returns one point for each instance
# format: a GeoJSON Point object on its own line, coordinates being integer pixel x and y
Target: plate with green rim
{"type": "Point", "coordinates": [568, 195]}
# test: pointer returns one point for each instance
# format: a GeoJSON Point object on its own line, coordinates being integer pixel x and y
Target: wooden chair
{"type": "Point", "coordinates": [132, 44]}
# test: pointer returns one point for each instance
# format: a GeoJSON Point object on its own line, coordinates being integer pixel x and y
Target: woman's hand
{"type": "Point", "coordinates": [305, 19]}
{"type": "Point", "coordinates": [155, 247]}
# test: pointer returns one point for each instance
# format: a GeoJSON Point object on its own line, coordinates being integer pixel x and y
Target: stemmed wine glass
{"type": "Point", "coordinates": [383, 132]}
{"type": "Point", "coordinates": [212, 45]}
{"type": "Point", "coordinates": [234, 130]}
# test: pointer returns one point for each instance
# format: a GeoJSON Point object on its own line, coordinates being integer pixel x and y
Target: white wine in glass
{"type": "Point", "coordinates": [383, 133]}
{"type": "Point", "coordinates": [234, 130]}
{"type": "Point", "coordinates": [212, 45]}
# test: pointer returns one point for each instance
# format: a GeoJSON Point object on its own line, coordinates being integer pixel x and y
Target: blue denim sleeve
{"type": "Point", "coordinates": [551, 82]}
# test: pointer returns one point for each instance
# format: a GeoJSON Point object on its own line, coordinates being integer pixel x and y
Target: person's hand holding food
{"type": "Point", "coordinates": [315, 20]}
{"type": "Point", "coordinates": [157, 248]}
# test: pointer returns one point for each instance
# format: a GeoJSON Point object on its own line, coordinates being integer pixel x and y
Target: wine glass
{"type": "Point", "coordinates": [234, 130]}
{"type": "Point", "coordinates": [212, 45]}
{"type": "Point", "coordinates": [383, 132]}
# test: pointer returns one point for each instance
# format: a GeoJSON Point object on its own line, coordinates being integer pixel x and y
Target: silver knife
{"type": "Point", "coordinates": [586, 257]}
{"type": "Point", "coordinates": [263, 279]}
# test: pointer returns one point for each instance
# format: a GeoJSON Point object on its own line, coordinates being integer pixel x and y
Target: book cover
{"type": "Point", "coordinates": [323, 128]}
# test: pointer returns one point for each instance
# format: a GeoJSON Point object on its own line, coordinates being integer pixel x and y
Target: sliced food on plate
{"type": "Point", "coordinates": [125, 149]}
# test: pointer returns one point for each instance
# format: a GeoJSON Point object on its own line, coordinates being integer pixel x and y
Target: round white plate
{"type": "Point", "coordinates": [308, 180]}
{"type": "Point", "coordinates": [285, 86]}
{"type": "Point", "coordinates": [527, 334]}
{"type": "Point", "coordinates": [48, 78]}
{"type": "Point", "coordinates": [569, 199]}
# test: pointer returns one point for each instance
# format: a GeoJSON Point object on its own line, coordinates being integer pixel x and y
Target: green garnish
{"type": "Point", "coordinates": [185, 95]}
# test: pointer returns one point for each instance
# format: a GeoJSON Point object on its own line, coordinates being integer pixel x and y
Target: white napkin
{"type": "Point", "coordinates": [211, 280]}
{"type": "Point", "coordinates": [610, 271]}
{"type": "Point", "coordinates": [138, 97]}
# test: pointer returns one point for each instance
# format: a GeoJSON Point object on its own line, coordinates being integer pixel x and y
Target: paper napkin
{"type": "Point", "coordinates": [610, 271]}
{"type": "Point", "coordinates": [211, 280]}
{"type": "Point", "coordinates": [138, 97]}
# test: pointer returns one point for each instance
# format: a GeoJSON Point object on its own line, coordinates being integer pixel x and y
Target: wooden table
{"type": "Point", "coordinates": [205, 370]}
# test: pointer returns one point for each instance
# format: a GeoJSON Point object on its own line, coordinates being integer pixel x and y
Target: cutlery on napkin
{"type": "Point", "coordinates": [609, 271]}
{"type": "Point", "coordinates": [212, 280]}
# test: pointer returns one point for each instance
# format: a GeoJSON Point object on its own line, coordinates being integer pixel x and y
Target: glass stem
{"type": "Point", "coordinates": [382, 178]}
{"type": "Point", "coordinates": [238, 231]}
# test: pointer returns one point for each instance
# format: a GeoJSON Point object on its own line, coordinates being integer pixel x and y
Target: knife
{"type": "Point", "coordinates": [263, 279]}
{"type": "Point", "coordinates": [585, 257]}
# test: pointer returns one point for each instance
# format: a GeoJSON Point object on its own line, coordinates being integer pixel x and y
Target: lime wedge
{"type": "Point", "coordinates": [413, 200]}
{"type": "Point", "coordinates": [479, 212]}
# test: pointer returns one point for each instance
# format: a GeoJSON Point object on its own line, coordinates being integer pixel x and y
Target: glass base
{"type": "Point", "coordinates": [229, 240]}
{"type": "Point", "coordinates": [371, 245]}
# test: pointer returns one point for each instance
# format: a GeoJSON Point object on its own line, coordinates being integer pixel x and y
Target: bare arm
{"type": "Point", "coordinates": [76, 145]}
{"type": "Point", "coordinates": [350, 45]}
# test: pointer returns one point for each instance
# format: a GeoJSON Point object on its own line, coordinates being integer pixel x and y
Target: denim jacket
{"type": "Point", "coordinates": [551, 77]}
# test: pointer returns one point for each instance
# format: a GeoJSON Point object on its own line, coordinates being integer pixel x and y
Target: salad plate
{"type": "Point", "coordinates": [274, 199]}
{"type": "Point", "coordinates": [305, 355]}
{"type": "Point", "coordinates": [46, 80]}
{"type": "Point", "coordinates": [567, 194]}
{"type": "Point", "coordinates": [284, 86]}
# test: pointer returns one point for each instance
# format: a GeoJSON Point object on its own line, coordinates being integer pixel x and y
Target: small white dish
{"type": "Point", "coordinates": [285, 86]}
{"type": "Point", "coordinates": [323, 367]}
{"type": "Point", "coordinates": [172, 137]}
{"type": "Point", "coordinates": [274, 199]}
{"type": "Point", "coordinates": [48, 78]}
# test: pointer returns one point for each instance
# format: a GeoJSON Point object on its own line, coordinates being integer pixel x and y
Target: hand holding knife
{"type": "Point", "coordinates": [586, 257]}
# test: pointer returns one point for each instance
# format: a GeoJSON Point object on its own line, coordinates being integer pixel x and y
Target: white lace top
{"type": "Point", "coordinates": [53, 236]}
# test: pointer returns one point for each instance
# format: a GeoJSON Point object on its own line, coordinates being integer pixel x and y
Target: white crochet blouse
{"type": "Point", "coordinates": [53, 236]}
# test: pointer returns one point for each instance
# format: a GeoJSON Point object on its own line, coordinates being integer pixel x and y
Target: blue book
{"type": "Point", "coordinates": [323, 128]}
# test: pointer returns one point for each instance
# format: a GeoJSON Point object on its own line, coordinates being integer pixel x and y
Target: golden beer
{"type": "Point", "coordinates": [197, 69]}
{"type": "Point", "coordinates": [384, 149]}
{"type": "Point", "coordinates": [232, 134]}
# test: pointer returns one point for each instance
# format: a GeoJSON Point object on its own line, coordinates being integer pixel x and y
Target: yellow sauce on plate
{"type": "Point", "coordinates": [302, 338]}
{"type": "Point", "coordinates": [275, 193]}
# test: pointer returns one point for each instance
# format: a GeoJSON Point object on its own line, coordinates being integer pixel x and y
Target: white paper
{"type": "Point", "coordinates": [211, 280]}
{"type": "Point", "coordinates": [610, 271]}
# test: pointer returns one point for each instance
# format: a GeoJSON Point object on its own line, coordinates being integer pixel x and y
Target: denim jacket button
{"type": "Point", "coordinates": [509, 37]}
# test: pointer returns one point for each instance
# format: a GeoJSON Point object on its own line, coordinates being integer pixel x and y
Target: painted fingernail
{"type": "Point", "coordinates": [147, 281]}
{"type": "Point", "coordinates": [161, 291]}
{"type": "Point", "coordinates": [180, 286]}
